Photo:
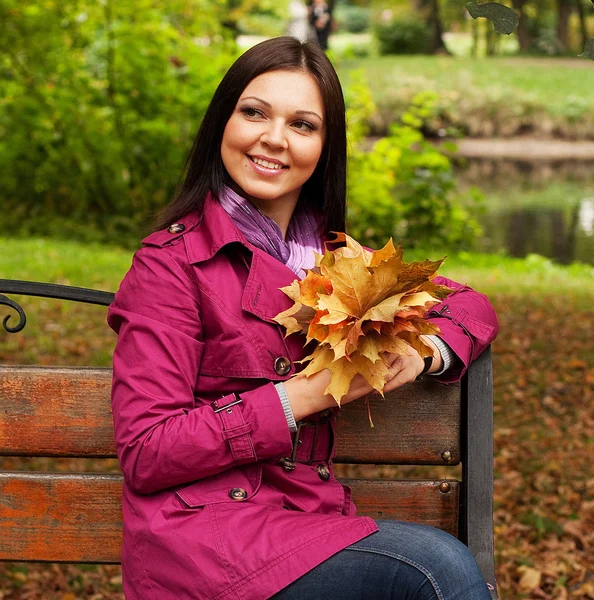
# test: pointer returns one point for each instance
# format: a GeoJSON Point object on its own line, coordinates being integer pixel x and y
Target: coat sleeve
{"type": "Point", "coordinates": [468, 324]}
{"type": "Point", "coordinates": [162, 438]}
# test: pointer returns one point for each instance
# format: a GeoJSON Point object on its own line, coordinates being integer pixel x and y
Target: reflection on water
{"type": "Point", "coordinates": [586, 216]}
{"type": "Point", "coordinates": [535, 208]}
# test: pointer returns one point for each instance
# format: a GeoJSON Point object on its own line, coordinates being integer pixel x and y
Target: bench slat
{"type": "Point", "coordinates": [55, 412]}
{"type": "Point", "coordinates": [60, 517]}
{"type": "Point", "coordinates": [77, 517]}
{"type": "Point", "coordinates": [66, 412]}
{"type": "Point", "coordinates": [416, 501]}
{"type": "Point", "coordinates": [414, 424]}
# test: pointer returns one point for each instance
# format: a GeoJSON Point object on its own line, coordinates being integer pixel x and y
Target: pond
{"type": "Point", "coordinates": [540, 208]}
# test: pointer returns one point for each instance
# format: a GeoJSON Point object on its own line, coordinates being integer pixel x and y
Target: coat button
{"type": "Point", "coordinates": [323, 472]}
{"type": "Point", "coordinates": [282, 365]}
{"type": "Point", "coordinates": [287, 464]}
{"type": "Point", "coordinates": [238, 494]}
{"type": "Point", "coordinates": [176, 228]}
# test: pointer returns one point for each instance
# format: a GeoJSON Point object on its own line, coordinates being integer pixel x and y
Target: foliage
{"type": "Point", "coordinates": [258, 17]}
{"type": "Point", "coordinates": [406, 35]}
{"type": "Point", "coordinates": [261, 25]}
{"type": "Point", "coordinates": [360, 306]}
{"type": "Point", "coordinates": [403, 187]}
{"type": "Point", "coordinates": [501, 97]}
{"type": "Point", "coordinates": [354, 19]}
{"type": "Point", "coordinates": [547, 42]}
{"type": "Point", "coordinates": [100, 103]}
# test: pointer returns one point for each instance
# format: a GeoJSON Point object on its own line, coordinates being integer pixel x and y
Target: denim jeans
{"type": "Point", "coordinates": [402, 561]}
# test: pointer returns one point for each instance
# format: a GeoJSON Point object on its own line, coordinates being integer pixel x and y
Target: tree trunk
{"type": "Point", "coordinates": [524, 37]}
{"type": "Point", "coordinates": [563, 13]}
{"type": "Point", "coordinates": [492, 39]}
{"type": "Point", "coordinates": [583, 23]}
{"type": "Point", "coordinates": [475, 38]}
{"type": "Point", "coordinates": [434, 21]}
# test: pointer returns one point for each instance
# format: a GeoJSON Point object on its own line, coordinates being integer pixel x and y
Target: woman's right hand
{"type": "Point", "coordinates": [306, 394]}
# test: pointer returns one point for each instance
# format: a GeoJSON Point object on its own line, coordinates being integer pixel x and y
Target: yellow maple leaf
{"type": "Point", "coordinates": [360, 306]}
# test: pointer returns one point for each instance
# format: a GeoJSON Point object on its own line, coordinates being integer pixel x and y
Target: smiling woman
{"type": "Point", "coordinates": [226, 450]}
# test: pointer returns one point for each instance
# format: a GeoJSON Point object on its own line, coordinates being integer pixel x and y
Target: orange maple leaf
{"type": "Point", "coordinates": [360, 306]}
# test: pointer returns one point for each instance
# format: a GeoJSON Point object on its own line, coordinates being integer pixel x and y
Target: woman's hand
{"type": "Point", "coordinates": [306, 394]}
{"type": "Point", "coordinates": [407, 368]}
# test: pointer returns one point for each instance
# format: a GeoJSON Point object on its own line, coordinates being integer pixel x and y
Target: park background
{"type": "Point", "coordinates": [462, 142]}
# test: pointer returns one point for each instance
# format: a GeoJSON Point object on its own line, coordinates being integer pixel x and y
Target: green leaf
{"type": "Point", "coordinates": [588, 49]}
{"type": "Point", "coordinates": [505, 20]}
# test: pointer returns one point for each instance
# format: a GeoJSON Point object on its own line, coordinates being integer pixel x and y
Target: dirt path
{"type": "Point", "coordinates": [574, 63]}
{"type": "Point", "coordinates": [529, 149]}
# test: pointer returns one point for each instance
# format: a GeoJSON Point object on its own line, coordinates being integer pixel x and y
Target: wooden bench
{"type": "Point", "coordinates": [65, 412]}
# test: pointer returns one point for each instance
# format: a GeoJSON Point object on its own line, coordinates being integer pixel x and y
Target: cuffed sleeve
{"type": "Point", "coordinates": [467, 323]}
{"type": "Point", "coordinates": [164, 435]}
{"type": "Point", "coordinates": [447, 355]}
{"type": "Point", "coordinates": [286, 404]}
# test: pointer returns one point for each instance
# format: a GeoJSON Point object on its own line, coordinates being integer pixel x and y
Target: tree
{"type": "Point", "coordinates": [100, 103]}
{"type": "Point", "coordinates": [523, 31]}
{"type": "Point", "coordinates": [436, 26]}
{"type": "Point", "coordinates": [564, 8]}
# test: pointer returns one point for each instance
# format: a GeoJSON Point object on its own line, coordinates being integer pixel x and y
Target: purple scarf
{"type": "Point", "coordinates": [296, 252]}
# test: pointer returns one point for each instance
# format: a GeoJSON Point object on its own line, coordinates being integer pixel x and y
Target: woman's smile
{"type": "Point", "coordinates": [269, 167]}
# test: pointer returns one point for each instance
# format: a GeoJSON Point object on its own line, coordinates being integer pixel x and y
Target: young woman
{"type": "Point", "coordinates": [206, 389]}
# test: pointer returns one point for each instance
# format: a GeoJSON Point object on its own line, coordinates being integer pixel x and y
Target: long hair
{"type": "Point", "coordinates": [325, 190]}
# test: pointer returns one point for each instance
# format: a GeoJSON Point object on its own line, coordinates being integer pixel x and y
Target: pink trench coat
{"type": "Point", "coordinates": [209, 513]}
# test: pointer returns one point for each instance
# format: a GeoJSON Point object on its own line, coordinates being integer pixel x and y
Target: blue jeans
{"type": "Point", "coordinates": [402, 561]}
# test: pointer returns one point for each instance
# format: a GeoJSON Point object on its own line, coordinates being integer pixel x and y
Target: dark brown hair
{"type": "Point", "coordinates": [325, 191]}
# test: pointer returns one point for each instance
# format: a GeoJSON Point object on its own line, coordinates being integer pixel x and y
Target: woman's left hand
{"type": "Point", "coordinates": [408, 367]}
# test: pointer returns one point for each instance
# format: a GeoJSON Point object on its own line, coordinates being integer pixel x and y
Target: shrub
{"type": "Point", "coordinates": [261, 25]}
{"type": "Point", "coordinates": [100, 102]}
{"type": "Point", "coordinates": [403, 187]}
{"type": "Point", "coordinates": [402, 36]}
{"type": "Point", "coordinates": [354, 19]}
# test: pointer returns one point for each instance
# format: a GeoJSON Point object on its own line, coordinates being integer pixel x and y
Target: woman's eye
{"type": "Point", "coordinates": [304, 126]}
{"type": "Point", "coordinates": [249, 111]}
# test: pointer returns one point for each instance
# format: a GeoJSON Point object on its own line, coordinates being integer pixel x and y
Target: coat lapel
{"type": "Point", "coordinates": [262, 296]}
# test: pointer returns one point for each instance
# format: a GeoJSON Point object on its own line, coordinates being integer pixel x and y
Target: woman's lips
{"type": "Point", "coordinates": [265, 171]}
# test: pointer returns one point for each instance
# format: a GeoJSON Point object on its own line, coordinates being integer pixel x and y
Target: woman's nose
{"type": "Point", "coordinates": [274, 136]}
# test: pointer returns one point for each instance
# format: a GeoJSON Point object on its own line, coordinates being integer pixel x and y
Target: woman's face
{"type": "Point", "coordinates": [274, 139]}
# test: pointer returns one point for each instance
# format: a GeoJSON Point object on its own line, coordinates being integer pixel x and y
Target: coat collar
{"type": "Point", "coordinates": [205, 234]}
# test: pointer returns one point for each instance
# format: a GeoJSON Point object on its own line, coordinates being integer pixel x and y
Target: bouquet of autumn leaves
{"type": "Point", "coordinates": [360, 306]}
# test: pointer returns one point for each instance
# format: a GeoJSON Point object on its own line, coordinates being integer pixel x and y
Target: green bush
{"type": "Point", "coordinates": [402, 36]}
{"type": "Point", "coordinates": [261, 24]}
{"type": "Point", "coordinates": [403, 187]}
{"type": "Point", "coordinates": [100, 102]}
{"type": "Point", "coordinates": [354, 19]}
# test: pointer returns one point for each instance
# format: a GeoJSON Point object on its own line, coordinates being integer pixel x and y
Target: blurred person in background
{"type": "Point", "coordinates": [320, 17]}
{"type": "Point", "coordinates": [298, 26]}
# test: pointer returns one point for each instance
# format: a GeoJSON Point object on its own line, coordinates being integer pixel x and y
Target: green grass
{"type": "Point", "coordinates": [103, 267]}
{"type": "Point", "coordinates": [559, 87]}
{"type": "Point", "coordinates": [64, 262]}
{"type": "Point", "coordinates": [496, 274]}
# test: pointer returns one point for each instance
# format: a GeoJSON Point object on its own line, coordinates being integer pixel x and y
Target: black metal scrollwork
{"type": "Point", "coordinates": [22, 316]}
{"type": "Point", "coordinates": [46, 290]}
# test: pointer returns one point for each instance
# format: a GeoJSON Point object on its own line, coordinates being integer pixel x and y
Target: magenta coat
{"type": "Point", "coordinates": [209, 513]}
